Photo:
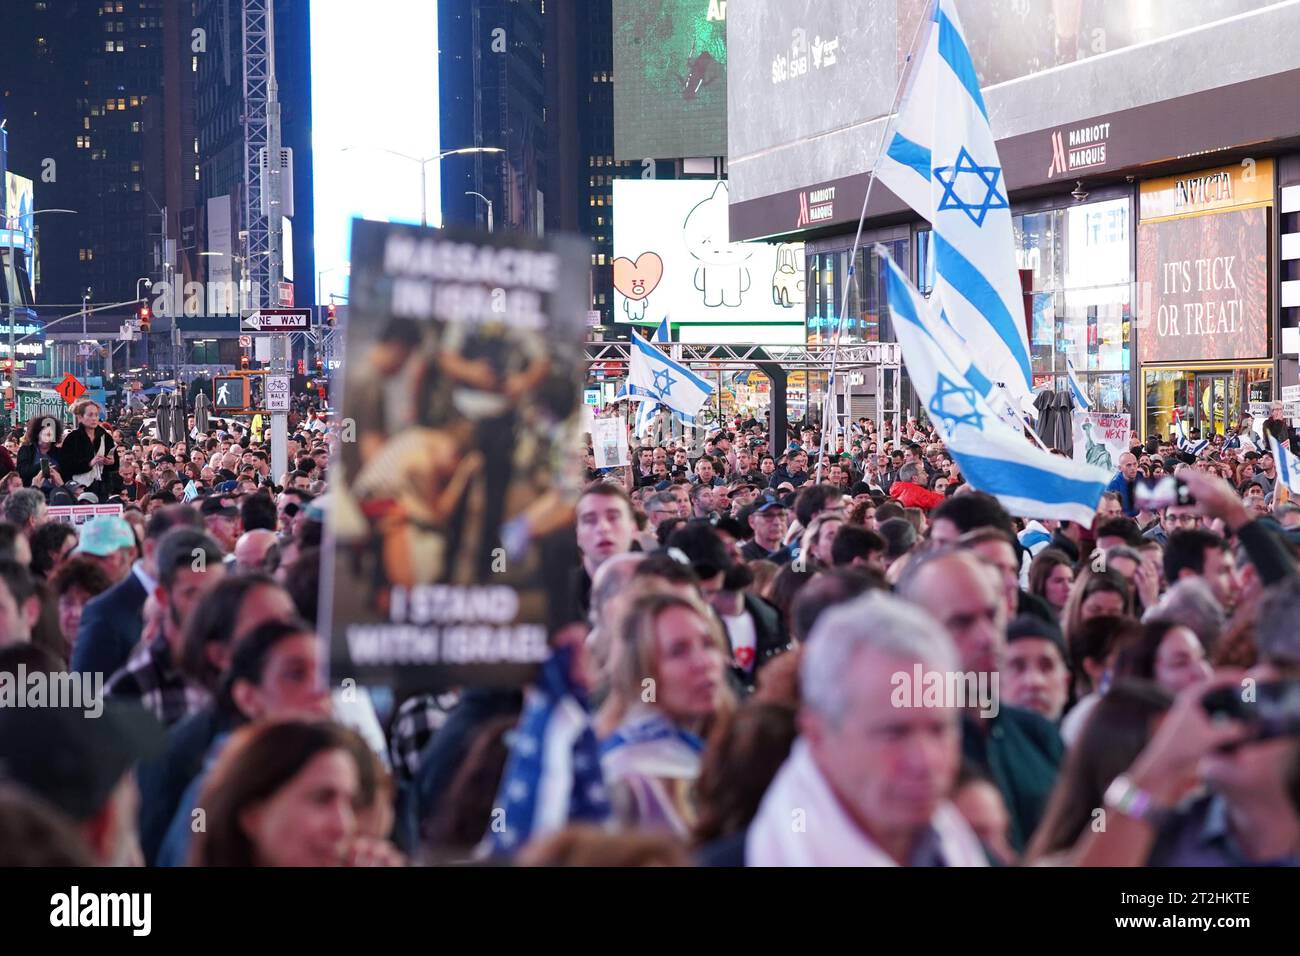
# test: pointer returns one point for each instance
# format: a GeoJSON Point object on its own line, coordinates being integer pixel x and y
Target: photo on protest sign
{"type": "Point", "coordinates": [464, 375]}
{"type": "Point", "coordinates": [78, 515]}
{"type": "Point", "coordinates": [1100, 438]}
{"type": "Point", "coordinates": [609, 442]}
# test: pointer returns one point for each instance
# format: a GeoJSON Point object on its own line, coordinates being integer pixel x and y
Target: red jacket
{"type": "Point", "coordinates": [913, 495]}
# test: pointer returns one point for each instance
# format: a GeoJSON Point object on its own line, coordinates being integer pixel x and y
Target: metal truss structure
{"type": "Point", "coordinates": [813, 358]}
{"type": "Point", "coordinates": [258, 38]}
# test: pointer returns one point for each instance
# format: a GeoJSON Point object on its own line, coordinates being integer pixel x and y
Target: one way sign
{"type": "Point", "coordinates": [277, 320]}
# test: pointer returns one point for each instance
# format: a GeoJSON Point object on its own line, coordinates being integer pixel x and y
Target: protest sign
{"type": "Point", "coordinates": [609, 442]}
{"type": "Point", "coordinates": [1100, 438]}
{"type": "Point", "coordinates": [464, 375]}
{"type": "Point", "coordinates": [79, 514]}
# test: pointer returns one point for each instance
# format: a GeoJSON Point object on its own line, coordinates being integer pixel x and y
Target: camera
{"type": "Point", "coordinates": [1273, 710]}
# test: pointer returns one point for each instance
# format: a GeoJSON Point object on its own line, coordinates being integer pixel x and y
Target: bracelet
{"type": "Point", "coordinates": [1131, 800]}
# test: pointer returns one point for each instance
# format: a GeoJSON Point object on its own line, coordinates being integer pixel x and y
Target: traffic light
{"type": "Point", "coordinates": [145, 317]}
{"type": "Point", "coordinates": [320, 363]}
{"type": "Point", "coordinates": [329, 314]}
{"type": "Point", "coordinates": [302, 367]}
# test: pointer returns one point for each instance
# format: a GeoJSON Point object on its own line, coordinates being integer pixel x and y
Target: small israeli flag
{"type": "Point", "coordinates": [941, 160]}
{"type": "Point", "coordinates": [1185, 444]}
{"type": "Point", "coordinates": [993, 456]}
{"type": "Point", "coordinates": [653, 375]}
{"type": "Point", "coordinates": [1081, 400]}
{"type": "Point", "coordinates": [1288, 472]}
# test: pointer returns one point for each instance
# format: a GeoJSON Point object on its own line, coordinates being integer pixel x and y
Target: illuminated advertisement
{"type": "Point", "coordinates": [673, 259]}
{"type": "Point", "coordinates": [374, 94]}
{"type": "Point", "coordinates": [1203, 287]}
{"type": "Point", "coordinates": [18, 226]}
{"type": "Point", "coordinates": [670, 78]}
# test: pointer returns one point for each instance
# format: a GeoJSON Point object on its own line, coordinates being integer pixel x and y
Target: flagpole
{"type": "Point", "coordinates": [903, 75]}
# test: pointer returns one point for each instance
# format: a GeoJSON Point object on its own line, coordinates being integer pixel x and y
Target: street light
{"type": "Point", "coordinates": [424, 162]}
{"type": "Point", "coordinates": [489, 205]}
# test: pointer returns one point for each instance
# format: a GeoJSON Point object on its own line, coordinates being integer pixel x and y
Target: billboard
{"type": "Point", "coordinates": [363, 117]}
{"type": "Point", "coordinates": [1203, 287]}
{"type": "Point", "coordinates": [810, 83]}
{"type": "Point", "coordinates": [670, 78]}
{"type": "Point", "coordinates": [18, 226]}
{"type": "Point", "coordinates": [673, 259]}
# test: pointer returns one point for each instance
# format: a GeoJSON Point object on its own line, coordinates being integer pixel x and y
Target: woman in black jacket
{"type": "Point", "coordinates": [88, 454]}
{"type": "Point", "coordinates": [38, 461]}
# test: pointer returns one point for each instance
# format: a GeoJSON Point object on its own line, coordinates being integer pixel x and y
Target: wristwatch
{"type": "Point", "coordinates": [1126, 797]}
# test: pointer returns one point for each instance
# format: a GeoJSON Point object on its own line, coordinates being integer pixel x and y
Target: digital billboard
{"type": "Point", "coordinates": [670, 78]}
{"type": "Point", "coordinates": [1203, 287]}
{"type": "Point", "coordinates": [374, 95]}
{"type": "Point", "coordinates": [17, 226]}
{"type": "Point", "coordinates": [673, 259]}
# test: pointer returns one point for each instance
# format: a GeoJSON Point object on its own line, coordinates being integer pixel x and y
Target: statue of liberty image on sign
{"type": "Point", "coordinates": [722, 275]}
{"type": "Point", "coordinates": [1098, 453]}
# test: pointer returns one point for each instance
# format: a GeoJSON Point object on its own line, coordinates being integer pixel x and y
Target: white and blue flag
{"type": "Point", "coordinates": [646, 415]}
{"type": "Point", "coordinates": [994, 457]}
{"type": "Point", "coordinates": [941, 160]}
{"type": "Point", "coordinates": [1185, 444]}
{"type": "Point", "coordinates": [1080, 397]}
{"type": "Point", "coordinates": [1288, 471]}
{"type": "Point", "coordinates": [654, 376]}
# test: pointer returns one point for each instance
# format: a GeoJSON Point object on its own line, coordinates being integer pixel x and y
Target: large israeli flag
{"type": "Point", "coordinates": [653, 375]}
{"type": "Point", "coordinates": [993, 457]}
{"type": "Point", "coordinates": [941, 160]}
{"type": "Point", "coordinates": [646, 415]}
{"type": "Point", "coordinates": [1184, 443]}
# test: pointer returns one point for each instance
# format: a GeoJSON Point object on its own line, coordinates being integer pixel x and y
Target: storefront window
{"type": "Point", "coordinates": [866, 306]}
{"type": "Point", "coordinates": [1210, 400]}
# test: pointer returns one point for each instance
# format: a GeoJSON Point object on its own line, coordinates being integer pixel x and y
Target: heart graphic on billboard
{"type": "Point", "coordinates": [636, 280]}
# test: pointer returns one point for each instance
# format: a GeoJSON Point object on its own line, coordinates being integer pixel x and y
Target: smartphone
{"type": "Point", "coordinates": [45, 469]}
{"type": "Point", "coordinates": [1162, 493]}
{"type": "Point", "coordinates": [1274, 707]}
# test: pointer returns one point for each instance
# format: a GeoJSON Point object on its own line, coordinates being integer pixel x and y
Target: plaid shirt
{"type": "Point", "coordinates": [151, 675]}
{"type": "Point", "coordinates": [417, 720]}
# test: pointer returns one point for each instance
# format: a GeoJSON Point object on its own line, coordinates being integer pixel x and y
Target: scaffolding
{"type": "Point", "coordinates": [884, 359]}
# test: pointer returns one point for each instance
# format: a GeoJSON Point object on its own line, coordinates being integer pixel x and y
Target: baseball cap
{"type": "Point", "coordinates": [88, 497]}
{"type": "Point", "coordinates": [74, 760]}
{"type": "Point", "coordinates": [104, 534]}
{"type": "Point", "coordinates": [771, 504]}
{"type": "Point", "coordinates": [213, 506]}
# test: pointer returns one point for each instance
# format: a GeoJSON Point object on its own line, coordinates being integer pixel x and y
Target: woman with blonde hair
{"type": "Point", "coordinates": [668, 683]}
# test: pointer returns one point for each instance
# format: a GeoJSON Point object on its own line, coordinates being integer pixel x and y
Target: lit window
{"type": "Point", "coordinates": [85, 122]}
{"type": "Point", "coordinates": [135, 127]}
{"type": "Point", "coordinates": [121, 103]}
{"type": "Point", "coordinates": [194, 64]}
{"type": "Point", "coordinates": [196, 174]}
{"type": "Point", "coordinates": [135, 166]}
{"type": "Point", "coordinates": [108, 46]}
{"type": "Point", "coordinates": [135, 101]}
{"type": "Point", "coordinates": [120, 47]}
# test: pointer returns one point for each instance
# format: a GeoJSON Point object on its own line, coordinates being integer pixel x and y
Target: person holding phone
{"type": "Point", "coordinates": [88, 453]}
{"type": "Point", "coordinates": [37, 461]}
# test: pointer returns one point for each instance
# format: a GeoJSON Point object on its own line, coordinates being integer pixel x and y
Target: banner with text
{"type": "Point", "coordinates": [450, 521]}
{"type": "Point", "coordinates": [1203, 287]}
{"type": "Point", "coordinates": [1100, 438]}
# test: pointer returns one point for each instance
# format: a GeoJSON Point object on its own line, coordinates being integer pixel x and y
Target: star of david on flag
{"type": "Point", "coordinates": [653, 375]}
{"type": "Point", "coordinates": [941, 159]}
{"type": "Point", "coordinates": [978, 179]}
{"type": "Point", "coordinates": [994, 455]}
{"type": "Point", "coordinates": [954, 405]}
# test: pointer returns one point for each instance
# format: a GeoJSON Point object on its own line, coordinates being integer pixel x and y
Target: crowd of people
{"type": "Point", "coordinates": [727, 693]}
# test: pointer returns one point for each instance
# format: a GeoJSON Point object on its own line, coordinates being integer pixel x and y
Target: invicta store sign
{"type": "Point", "coordinates": [1075, 150]}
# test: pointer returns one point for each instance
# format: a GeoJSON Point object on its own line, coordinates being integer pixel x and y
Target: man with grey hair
{"type": "Point", "coordinates": [25, 509]}
{"type": "Point", "coordinates": [1020, 751]}
{"type": "Point", "coordinates": [1191, 603]}
{"type": "Point", "coordinates": [867, 781]}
